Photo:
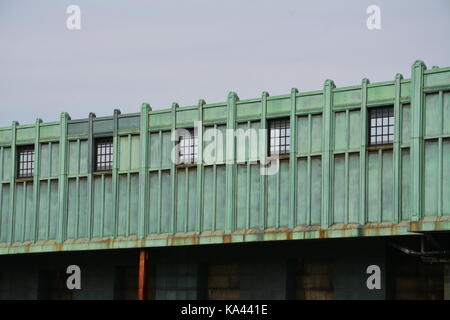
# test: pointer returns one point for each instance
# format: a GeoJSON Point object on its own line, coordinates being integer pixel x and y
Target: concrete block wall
{"type": "Point", "coordinates": [310, 270]}
{"type": "Point", "coordinates": [263, 280]}
{"type": "Point", "coordinates": [415, 280]}
{"type": "Point", "coordinates": [314, 279]}
{"type": "Point", "coordinates": [177, 281]}
{"type": "Point", "coordinates": [43, 276]}
{"type": "Point", "coordinates": [223, 281]}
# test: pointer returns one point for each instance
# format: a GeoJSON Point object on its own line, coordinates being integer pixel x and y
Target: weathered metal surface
{"type": "Point", "coordinates": [331, 185]}
{"type": "Point", "coordinates": [143, 257]}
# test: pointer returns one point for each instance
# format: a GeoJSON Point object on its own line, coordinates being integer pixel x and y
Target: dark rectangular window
{"type": "Point", "coordinates": [381, 126]}
{"type": "Point", "coordinates": [188, 145]}
{"type": "Point", "coordinates": [279, 136]}
{"type": "Point", "coordinates": [103, 154]}
{"type": "Point", "coordinates": [25, 163]}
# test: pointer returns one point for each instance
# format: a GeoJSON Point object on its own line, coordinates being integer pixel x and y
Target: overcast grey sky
{"type": "Point", "coordinates": [129, 52]}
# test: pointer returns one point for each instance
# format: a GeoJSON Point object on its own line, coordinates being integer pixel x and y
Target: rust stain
{"type": "Point", "coordinates": [322, 234]}
{"type": "Point", "coordinates": [58, 246]}
{"type": "Point", "coordinates": [289, 235]}
{"type": "Point", "coordinates": [414, 226]}
{"type": "Point", "coordinates": [143, 257]}
{"type": "Point", "coordinates": [226, 238]}
{"type": "Point", "coordinates": [239, 236]}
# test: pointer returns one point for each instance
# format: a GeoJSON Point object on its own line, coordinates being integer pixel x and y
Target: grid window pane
{"type": "Point", "coordinates": [188, 148]}
{"type": "Point", "coordinates": [279, 136]}
{"type": "Point", "coordinates": [104, 155]}
{"type": "Point", "coordinates": [25, 168]}
{"type": "Point", "coordinates": [381, 129]}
